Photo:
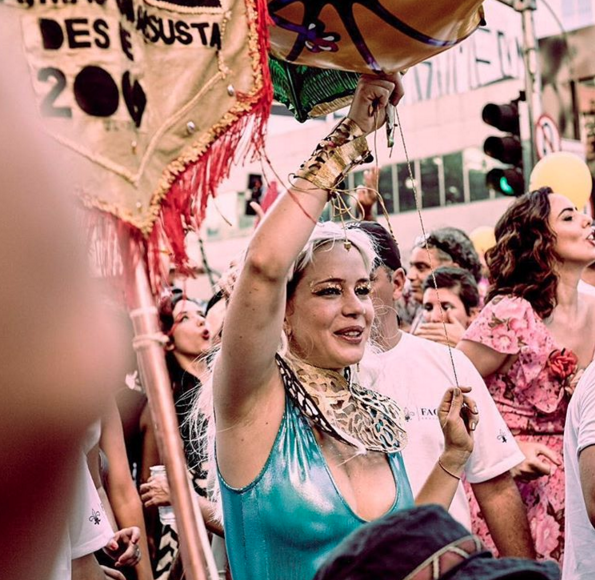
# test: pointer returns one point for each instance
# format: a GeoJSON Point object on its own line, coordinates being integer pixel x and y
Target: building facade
{"type": "Point", "coordinates": [438, 153]}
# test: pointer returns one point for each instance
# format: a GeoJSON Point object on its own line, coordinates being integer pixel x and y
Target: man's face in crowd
{"type": "Point", "coordinates": [420, 268]}
{"type": "Point", "coordinates": [443, 300]}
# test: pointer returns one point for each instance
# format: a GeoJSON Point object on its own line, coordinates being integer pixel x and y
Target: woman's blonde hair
{"type": "Point", "coordinates": [330, 233]}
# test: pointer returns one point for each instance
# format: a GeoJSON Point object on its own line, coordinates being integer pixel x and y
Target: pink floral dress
{"type": "Point", "coordinates": [532, 401]}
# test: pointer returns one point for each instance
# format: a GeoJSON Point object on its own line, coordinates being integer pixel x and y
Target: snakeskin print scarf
{"type": "Point", "coordinates": [337, 405]}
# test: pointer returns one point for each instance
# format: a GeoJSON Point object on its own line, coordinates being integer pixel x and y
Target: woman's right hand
{"type": "Point", "coordinates": [155, 492]}
{"type": "Point", "coordinates": [458, 416]}
{"type": "Point", "coordinates": [374, 92]}
{"type": "Point", "coordinates": [538, 461]}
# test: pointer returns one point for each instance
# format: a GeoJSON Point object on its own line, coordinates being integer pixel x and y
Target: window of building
{"type": "Point", "coordinates": [429, 170]}
{"type": "Point", "coordinates": [405, 184]}
{"type": "Point", "coordinates": [441, 180]}
{"type": "Point", "coordinates": [358, 179]}
{"type": "Point", "coordinates": [477, 185]}
{"type": "Point", "coordinates": [386, 188]}
{"type": "Point", "coordinates": [475, 163]}
{"type": "Point", "coordinates": [454, 184]}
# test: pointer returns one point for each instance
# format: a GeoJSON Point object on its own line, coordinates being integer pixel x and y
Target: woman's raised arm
{"type": "Point", "coordinates": [254, 319]}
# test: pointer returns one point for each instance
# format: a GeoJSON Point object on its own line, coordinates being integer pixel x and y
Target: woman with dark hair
{"type": "Point", "coordinates": [531, 342]}
{"type": "Point", "coordinates": [304, 454]}
{"type": "Point", "coordinates": [182, 320]}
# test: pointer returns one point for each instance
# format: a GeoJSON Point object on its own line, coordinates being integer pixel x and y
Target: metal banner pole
{"type": "Point", "coordinates": [194, 545]}
{"type": "Point", "coordinates": [532, 73]}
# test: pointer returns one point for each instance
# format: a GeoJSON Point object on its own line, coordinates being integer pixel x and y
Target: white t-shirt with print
{"type": "Point", "coordinates": [579, 433]}
{"type": "Point", "coordinates": [416, 373]}
{"type": "Point", "coordinates": [88, 528]}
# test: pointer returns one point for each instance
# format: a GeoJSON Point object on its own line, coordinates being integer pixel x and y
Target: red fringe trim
{"type": "Point", "coordinates": [115, 248]}
{"type": "Point", "coordinates": [183, 208]}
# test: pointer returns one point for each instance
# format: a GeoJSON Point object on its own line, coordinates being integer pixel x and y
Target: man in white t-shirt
{"type": "Point", "coordinates": [579, 464]}
{"type": "Point", "coordinates": [416, 373]}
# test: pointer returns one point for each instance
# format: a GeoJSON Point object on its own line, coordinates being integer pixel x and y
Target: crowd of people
{"type": "Point", "coordinates": [348, 415]}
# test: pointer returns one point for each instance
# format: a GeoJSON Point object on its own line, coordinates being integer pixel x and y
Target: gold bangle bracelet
{"type": "Point", "coordinates": [345, 147]}
{"type": "Point", "coordinates": [447, 471]}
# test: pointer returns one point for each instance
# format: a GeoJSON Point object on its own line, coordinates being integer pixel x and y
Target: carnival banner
{"type": "Point", "coordinates": [152, 97]}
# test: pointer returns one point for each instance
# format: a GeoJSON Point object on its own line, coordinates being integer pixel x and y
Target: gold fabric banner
{"type": "Point", "coordinates": [138, 91]}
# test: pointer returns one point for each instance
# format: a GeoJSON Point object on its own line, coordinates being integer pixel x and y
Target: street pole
{"type": "Point", "coordinates": [197, 556]}
{"type": "Point", "coordinates": [532, 79]}
{"type": "Point", "coordinates": [532, 76]}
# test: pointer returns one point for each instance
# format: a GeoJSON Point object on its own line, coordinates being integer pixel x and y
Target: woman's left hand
{"type": "Point", "coordinates": [123, 547]}
{"type": "Point", "coordinates": [539, 460]}
{"type": "Point", "coordinates": [458, 416]}
{"type": "Point", "coordinates": [571, 386]}
{"type": "Point", "coordinates": [435, 331]}
{"type": "Point", "coordinates": [449, 332]}
{"type": "Point", "coordinates": [374, 92]}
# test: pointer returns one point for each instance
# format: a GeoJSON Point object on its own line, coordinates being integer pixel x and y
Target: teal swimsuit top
{"type": "Point", "coordinates": [284, 524]}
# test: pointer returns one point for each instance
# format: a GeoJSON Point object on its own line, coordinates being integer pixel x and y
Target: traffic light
{"type": "Point", "coordinates": [506, 148]}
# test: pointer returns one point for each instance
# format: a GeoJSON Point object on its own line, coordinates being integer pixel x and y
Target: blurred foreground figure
{"type": "Point", "coordinates": [424, 543]}
{"type": "Point", "coordinates": [58, 349]}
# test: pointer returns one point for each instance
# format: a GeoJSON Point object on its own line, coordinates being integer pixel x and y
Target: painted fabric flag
{"type": "Point", "coordinates": [152, 99]}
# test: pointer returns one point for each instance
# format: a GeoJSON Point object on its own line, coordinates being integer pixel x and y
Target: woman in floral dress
{"type": "Point", "coordinates": [531, 342]}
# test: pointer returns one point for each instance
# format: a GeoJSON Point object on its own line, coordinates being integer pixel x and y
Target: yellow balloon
{"type": "Point", "coordinates": [483, 239]}
{"type": "Point", "coordinates": [566, 174]}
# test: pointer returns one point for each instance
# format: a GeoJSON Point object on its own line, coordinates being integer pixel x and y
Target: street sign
{"type": "Point", "coordinates": [547, 136]}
